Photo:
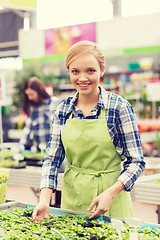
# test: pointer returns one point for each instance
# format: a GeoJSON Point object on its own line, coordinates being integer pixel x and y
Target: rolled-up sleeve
{"type": "Point", "coordinates": [132, 155]}
{"type": "Point", "coordinates": [54, 158]}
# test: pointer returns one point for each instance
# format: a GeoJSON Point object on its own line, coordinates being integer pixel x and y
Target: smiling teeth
{"type": "Point", "coordinates": [82, 85]}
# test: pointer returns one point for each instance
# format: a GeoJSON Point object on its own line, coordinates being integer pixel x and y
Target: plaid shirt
{"type": "Point", "coordinates": [123, 130]}
{"type": "Point", "coordinates": [38, 124]}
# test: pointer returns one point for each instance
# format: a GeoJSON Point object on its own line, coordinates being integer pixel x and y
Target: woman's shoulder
{"type": "Point", "coordinates": [64, 106]}
{"type": "Point", "coordinates": [116, 100]}
{"type": "Point", "coordinates": [114, 103]}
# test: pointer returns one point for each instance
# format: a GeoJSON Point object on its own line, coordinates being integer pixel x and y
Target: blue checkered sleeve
{"type": "Point", "coordinates": [54, 158]}
{"type": "Point", "coordinates": [130, 144]}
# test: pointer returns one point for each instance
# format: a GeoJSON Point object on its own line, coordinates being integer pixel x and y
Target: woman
{"type": "Point", "coordinates": [39, 107]}
{"type": "Point", "coordinates": [95, 131]}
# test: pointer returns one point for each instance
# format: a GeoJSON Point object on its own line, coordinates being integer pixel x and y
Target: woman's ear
{"type": "Point", "coordinates": [102, 72]}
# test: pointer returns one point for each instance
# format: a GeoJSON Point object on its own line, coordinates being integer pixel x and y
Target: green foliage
{"type": "Point", "coordinates": [31, 155]}
{"type": "Point", "coordinates": [11, 163]}
{"type": "Point", "coordinates": [18, 224]}
{"type": "Point", "coordinates": [6, 154]}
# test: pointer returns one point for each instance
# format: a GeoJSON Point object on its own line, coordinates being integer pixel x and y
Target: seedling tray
{"type": "Point", "coordinates": [11, 204]}
{"type": "Point", "coordinates": [33, 159]}
{"type": "Point", "coordinates": [53, 211]}
{"type": "Point", "coordinates": [36, 162]}
{"type": "Point", "coordinates": [11, 163]}
{"type": "Point", "coordinates": [7, 204]}
{"type": "Point", "coordinates": [72, 227]}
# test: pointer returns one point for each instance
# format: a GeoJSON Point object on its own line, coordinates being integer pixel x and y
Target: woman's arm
{"type": "Point", "coordinates": [130, 142]}
{"type": "Point", "coordinates": [45, 195]}
{"type": "Point", "coordinates": [54, 158]}
{"type": "Point", "coordinates": [51, 163]}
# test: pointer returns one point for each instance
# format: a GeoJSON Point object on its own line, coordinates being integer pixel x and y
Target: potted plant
{"type": "Point", "coordinates": [3, 186]}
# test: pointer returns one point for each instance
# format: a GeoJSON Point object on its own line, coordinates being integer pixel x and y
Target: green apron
{"type": "Point", "coordinates": [93, 165]}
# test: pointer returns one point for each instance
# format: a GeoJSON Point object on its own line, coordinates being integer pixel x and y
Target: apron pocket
{"type": "Point", "coordinates": [78, 191]}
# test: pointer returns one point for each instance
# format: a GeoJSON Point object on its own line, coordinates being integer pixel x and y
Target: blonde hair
{"type": "Point", "coordinates": [81, 48]}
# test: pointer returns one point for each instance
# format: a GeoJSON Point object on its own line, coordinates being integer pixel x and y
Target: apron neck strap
{"type": "Point", "coordinates": [70, 116]}
{"type": "Point", "coordinates": [103, 113]}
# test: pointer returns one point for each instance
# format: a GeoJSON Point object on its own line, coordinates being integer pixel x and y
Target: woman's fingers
{"type": "Point", "coordinates": [39, 215]}
{"type": "Point", "coordinates": [103, 202]}
{"type": "Point", "coordinates": [99, 211]}
{"type": "Point", "coordinates": [34, 214]}
{"type": "Point", "coordinates": [91, 206]}
{"type": "Point", "coordinates": [40, 212]}
{"type": "Point", "coordinates": [96, 214]}
{"type": "Point", "coordinates": [46, 216]}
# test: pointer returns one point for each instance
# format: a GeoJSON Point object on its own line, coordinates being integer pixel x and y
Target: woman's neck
{"type": "Point", "coordinates": [86, 103]}
{"type": "Point", "coordinates": [89, 99]}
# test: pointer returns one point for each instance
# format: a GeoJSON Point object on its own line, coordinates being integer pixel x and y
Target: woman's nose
{"type": "Point", "coordinates": [82, 77]}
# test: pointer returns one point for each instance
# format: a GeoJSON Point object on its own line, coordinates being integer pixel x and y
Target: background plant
{"type": "Point", "coordinates": [3, 177]}
{"type": "Point", "coordinates": [47, 76]}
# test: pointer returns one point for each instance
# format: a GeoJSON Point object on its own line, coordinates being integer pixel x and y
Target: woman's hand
{"type": "Point", "coordinates": [40, 212]}
{"type": "Point", "coordinates": [103, 202]}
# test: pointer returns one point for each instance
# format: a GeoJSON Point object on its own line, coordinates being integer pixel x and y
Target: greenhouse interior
{"type": "Point", "coordinates": [93, 61]}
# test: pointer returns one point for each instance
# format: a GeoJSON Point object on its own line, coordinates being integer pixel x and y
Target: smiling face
{"type": "Point", "coordinates": [85, 74]}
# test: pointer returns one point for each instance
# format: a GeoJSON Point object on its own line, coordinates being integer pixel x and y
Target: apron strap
{"type": "Point", "coordinates": [94, 172]}
{"type": "Point", "coordinates": [70, 116]}
{"type": "Point", "coordinates": [103, 113]}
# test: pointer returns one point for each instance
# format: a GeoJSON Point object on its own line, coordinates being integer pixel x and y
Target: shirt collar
{"type": "Point", "coordinates": [102, 100]}
{"type": "Point", "coordinates": [73, 103]}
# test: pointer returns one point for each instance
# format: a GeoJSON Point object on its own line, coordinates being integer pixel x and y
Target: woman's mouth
{"type": "Point", "coordinates": [84, 85]}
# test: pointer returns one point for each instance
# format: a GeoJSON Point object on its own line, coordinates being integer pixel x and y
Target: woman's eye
{"type": "Point", "coordinates": [90, 70]}
{"type": "Point", "coordinates": [75, 71]}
